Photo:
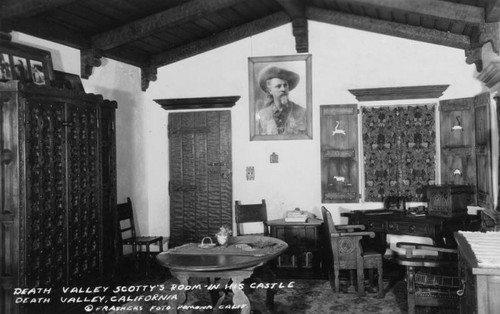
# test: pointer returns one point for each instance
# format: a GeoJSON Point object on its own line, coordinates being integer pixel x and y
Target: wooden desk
{"type": "Point", "coordinates": [303, 257]}
{"type": "Point", "coordinates": [440, 229]}
{"type": "Point", "coordinates": [482, 284]}
{"type": "Point", "coordinates": [188, 261]}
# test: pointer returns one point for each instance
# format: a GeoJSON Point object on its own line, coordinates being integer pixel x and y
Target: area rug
{"type": "Point", "coordinates": [293, 297]}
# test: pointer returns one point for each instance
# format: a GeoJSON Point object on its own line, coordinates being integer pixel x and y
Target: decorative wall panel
{"type": "Point", "coordinates": [399, 149]}
{"type": "Point", "coordinates": [339, 153]}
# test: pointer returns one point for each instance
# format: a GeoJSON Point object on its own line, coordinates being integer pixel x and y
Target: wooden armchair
{"type": "Point", "coordinates": [431, 280]}
{"type": "Point", "coordinates": [345, 252]}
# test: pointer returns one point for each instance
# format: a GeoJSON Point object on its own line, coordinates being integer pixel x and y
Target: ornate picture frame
{"type": "Point", "coordinates": [24, 63]}
{"type": "Point", "coordinates": [291, 75]}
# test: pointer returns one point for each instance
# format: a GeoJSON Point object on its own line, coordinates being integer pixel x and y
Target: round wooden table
{"type": "Point", "coordinates": [189, 261]}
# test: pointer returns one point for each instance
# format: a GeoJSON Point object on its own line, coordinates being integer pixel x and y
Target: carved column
{"type": "Point", "coordinates": [490, 76]}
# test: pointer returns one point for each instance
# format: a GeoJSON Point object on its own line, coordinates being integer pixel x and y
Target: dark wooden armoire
{"type": "Point", "coordinates": [58, 188]}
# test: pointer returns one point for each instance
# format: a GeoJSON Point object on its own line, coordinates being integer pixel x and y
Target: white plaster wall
{"type": "Point", "coordinates": [342, 59]}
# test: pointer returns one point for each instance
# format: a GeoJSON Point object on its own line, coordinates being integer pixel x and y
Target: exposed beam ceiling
{"type": "Point", "coordinates": [492, 11]}
{"type": "Point", "coordinates": [25, 8]}
{"type": "Point", "coordinates": [389, 28]}
{"type": "Point", "coordinates": [434, 8]}
{"type": "Point", "coordinates": [146, 26]}
{"type": "Point", "coordinates": [220, 39]}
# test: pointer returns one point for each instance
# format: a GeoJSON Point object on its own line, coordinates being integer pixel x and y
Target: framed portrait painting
{"type": "Point", "coordinates": [280, 97]}
{"type": "Point", "coordinates": [24, 63]}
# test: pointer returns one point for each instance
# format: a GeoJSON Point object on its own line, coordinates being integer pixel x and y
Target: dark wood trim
{"type": "Point", "coordinates": [198, 103]}
{"type": "Point", "coordinates": [220, 39]}
{"type": "Point", "coordinates": [403, 92]}
{"type": "Point", "coordinates": [17, 8]}
{"type": "Point", "coordinates": [296, 10]}
{"type": "Point", "coordinates": [44, 30]}
{"type": "Point", "coordinates": [492, 11]}
{"type": "Point", "coordinates": [448, 10]}
{"type": "Point", "coordinates": [146, 26]}
{"type": "Point", "coordinates": [389, 28]}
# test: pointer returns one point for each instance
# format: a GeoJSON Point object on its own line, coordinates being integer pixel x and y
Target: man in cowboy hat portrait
{"type": "Point", "coordinates": [279, 114]}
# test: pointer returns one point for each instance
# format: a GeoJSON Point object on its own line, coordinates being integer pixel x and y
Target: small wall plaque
{"type": "Point", "coordinates": [250, 173]}
{"type": "Point", "coordinates": [274, 158]}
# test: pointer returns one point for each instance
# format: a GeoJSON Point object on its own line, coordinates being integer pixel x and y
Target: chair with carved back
{"type": "Point", "coordinates": [431, 280]}
{"type": "Point", "coordinates": [345, 252]}
{"type": "Point", "coordinates": [140, 246]}
{"type": "Point", "coordinates": [246, 217]}
{"type": "Point", "coordinates": [250, 213]}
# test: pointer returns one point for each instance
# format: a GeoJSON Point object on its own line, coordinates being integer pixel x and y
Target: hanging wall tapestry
{"type": "Point", "coordinates": [399, 147]}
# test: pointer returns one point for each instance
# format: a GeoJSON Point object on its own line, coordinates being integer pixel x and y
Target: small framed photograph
{"type": "Point", "coordinates": [5, 67]}
{"type": "Point", "coordinates": [280, 97]}
{"type": "Point", "coordinates": [24, 63]}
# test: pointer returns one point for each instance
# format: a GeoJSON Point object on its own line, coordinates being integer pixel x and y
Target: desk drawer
{"type": "Point", "coordinates": [376, 225]}
{"type": "Point", "coordinates": [410, 228]}
{"type": "Point", "coordinates": [297, 238]}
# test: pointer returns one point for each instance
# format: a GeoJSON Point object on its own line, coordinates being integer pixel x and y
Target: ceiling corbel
{"type": "Point", "coordinates": [474, 55]}
{"type": "Point", "coordinates": [148, 74]}
{"type": "Point", "coordinates": [295, 9]}
{"type": "Point", "coordinates": [89, 58]}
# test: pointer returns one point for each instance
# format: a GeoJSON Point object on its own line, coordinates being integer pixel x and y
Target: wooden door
{"type": "Point", "coordinates": [483, 135]}
{"type": "Point", "coordinates": [200, 174]}
{"type": "Point", "coordinates": [458, 159]}
{"type": "Point", "coordinates": [339, 154]}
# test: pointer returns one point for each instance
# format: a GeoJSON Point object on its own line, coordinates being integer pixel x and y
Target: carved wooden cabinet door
{"type": "Point", "coordinates": [44, 166]}
{"type": "Point", "coordinates": [339, 154]}
{"type": "Point", "coordinates": [466, 145]}
{"type": "Point", "coordinates": [458, 160]}
{"type": "Point", "coordinates": [84, 206]}
{"type": "Point", "coordinates": [200, 174]}
{"type": "Point", "coordinates": [483, 135]}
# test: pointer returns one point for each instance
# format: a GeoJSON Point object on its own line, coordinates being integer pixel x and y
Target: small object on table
{"type": "Point", "coordinates": [204, 245]}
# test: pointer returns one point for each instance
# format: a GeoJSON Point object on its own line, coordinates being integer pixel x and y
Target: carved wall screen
{"type": "Point", "coordinates": [58, 188]}
{"type": "Point", "coordinates": [399, 148]}
{"type": "Point", "coordinates": [339, 153]}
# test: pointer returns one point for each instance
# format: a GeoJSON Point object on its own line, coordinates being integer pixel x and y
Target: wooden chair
{"type": "Point", "coordinates": [140, 245]}
{"type": "Point", "coordinates": [346, 253]}
{"type": "Point", "coordinates": [431, 281]}
{"type": "Point", "coordinates": [250, 213]}
{"type": "Point", "coordinates": [256, 213]}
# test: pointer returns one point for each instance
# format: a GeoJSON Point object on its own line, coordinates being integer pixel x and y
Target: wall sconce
{"type": "Point", "coordinates": [274, 158]}
{"type": "Point", "coordinates": [458, 125]}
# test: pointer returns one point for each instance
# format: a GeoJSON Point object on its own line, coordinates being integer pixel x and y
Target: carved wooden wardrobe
{"type": "Point", "coordinates": [58, 188]}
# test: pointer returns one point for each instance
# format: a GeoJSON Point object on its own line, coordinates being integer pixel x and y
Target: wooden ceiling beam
{"type": "Point", "coordinates": [433, 8]}
{"type": "Point", "coordinates": [24, 8]}
{"type": "Point", "coordinates": [44, 30]}
{"type": "Point", "coordinates": [189, 11]}
{"type": "Point", "coordinates": [220, 39]}
{"type": "Point", "coordinates": [492, 11]}
{"type": "Point", "coordinates": [296, 10]}
{"type": "Point", "coordinates": [389, 28]}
